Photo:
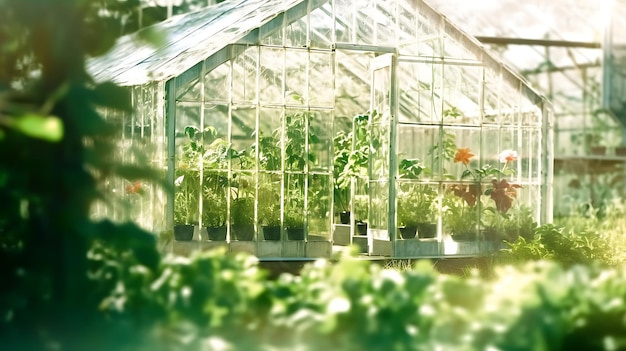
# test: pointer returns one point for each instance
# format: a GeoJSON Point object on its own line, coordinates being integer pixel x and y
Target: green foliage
{"type": "Point", "coordinates": [353, 305]}
{"type": "Point", "coordinates": [416, 204]}
{"type": "Point", "coordinates": [55, 155]}
{"type": "Point", "coordinates": [459, 217]}
{"type": "Point", "coordinates": [566, 247]}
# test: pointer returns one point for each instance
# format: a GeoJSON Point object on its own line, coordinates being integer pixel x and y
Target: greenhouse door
{"type": "Point", "coordinates": [382, 168]}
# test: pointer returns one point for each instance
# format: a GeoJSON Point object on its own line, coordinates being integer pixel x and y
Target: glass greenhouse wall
{"type": "Point", "coordinates": [294, 128]}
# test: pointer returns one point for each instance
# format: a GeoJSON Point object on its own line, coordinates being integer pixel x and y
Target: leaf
{"type": "Point", "coordinates": [111, 95]}
{"type": "Point", "coordinates": [46, 128]}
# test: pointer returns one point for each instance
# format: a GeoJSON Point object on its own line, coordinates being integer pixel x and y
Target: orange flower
{"type": "Point", "coordinates": [463, 155]}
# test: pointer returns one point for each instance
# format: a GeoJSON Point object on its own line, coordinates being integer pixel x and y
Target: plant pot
{"type": "Point", "coordinates": [464, 236]}
{"type": "Point", "coordinates": [344, 217]}
{"type": "Point", "coordinates": [295, 233]}
{"type": "Point", "coordinates": [216, 233]}
{"type": "Point", "coordinates": [243, 232]}
{"type": "Point", "coordinates": [490, 234]}
{"type": "Point", "coordinates": [598, 150]}
{"type": "Point", "coordinates": [183, 232]}
{"type": "Point", "coordinates": [361, 228]}
{"type": "Point", "coordinates": [271, 232]}
{"type": "Point", "coordinates": [408, 232]}
{"type": "Point", "coordinates": [426, 230]}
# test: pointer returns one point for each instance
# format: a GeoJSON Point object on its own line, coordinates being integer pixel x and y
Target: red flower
{"type": "Point", "coordinates": [469, 193]}
{"type": "Point", "coordinates": [134, 188]}
{"type": "Point", "coordinates": [503, 194]}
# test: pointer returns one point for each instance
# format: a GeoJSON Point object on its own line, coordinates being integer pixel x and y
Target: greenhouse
{"type": "Point", "coordinates": [292, 129]}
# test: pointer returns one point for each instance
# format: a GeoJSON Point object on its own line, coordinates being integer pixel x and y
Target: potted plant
{"type": "Point", "coordinates": [294, 224]}
{"type": "Point", "coordinates": [242, 215]}
{"type": "Point", "coordinates": [187, 185]}
{"type": "Point", "coordinates": [342, 144]}
{"type": "Point", "coordinates": [215, 162]}
{"type": "Point", "coordinates": [269, 209]}
{"type": "Point", "coordinates": [518, 222]}
{"type": "Point", "coordinates": [415, 202]}
{"type": "Point", "coordinates": [294, 210]}
{"type": "Point", "coordinates": [416, 211]}
{"type": "Point", "coordinates": [214, 214]}
{"type": "Point", "coordinates": [241, 206]}
{"type": "Point", "coordinates": [460, 212]}
{"type": "Point", "coordinates": [351, 163]}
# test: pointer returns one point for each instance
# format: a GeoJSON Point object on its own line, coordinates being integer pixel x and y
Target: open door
{"type": "Point", "coordinates": [382, 166]}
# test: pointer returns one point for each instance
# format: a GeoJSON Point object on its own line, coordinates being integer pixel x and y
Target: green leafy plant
{"type": "Point", "coordinates": [342, 144]}
{"type": "Point", "coordinates": [416, 205]}
{"type": "Point", "coordinates": [269, 204]}
{"type": "Point", "coordinates": [461, 215]}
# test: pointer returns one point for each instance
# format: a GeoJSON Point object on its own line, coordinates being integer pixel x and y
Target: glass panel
{"type": "Point", "coordinates": [467, 155]}
{"type": "Point", "coordinates": [296, 79]}
{"type": "Point", "coordinates": [416, 210]}
{"type": "Point", "coordinates": [457, 45]}
{"type": "Point", "coordinates": [322, 27]}
{"type": "Point", "coordinates": [270, 205]}
{"type": "Point", "coordinates": [319, 203]}
{"type": "Point", "coordinates": [428, 33]}
{"type": "Point", "coordinates": [321, 85]}
{"type": "Point", "coordinates": [243, 137]}
{"type": "Point", "coordinates": [244, 76]}
{"type": "Point", "coordinates": [379, 151]}
{"type": "Point", "coordinates": [344, 23]}
{"type": "Point", "coordinates": [407, 30]}
{"type": "Point", "coordinates": [188, 160]}
{"type": "Point", "coordinates": [342, 145]}
{"type": "Point", "coordinates": [272, 72]}
{"type": "Point", "coordinates": [361, 199]}
{"type": "Point", "coordinates": [417, 154]}
{"type": "Point", "coordinates": [296, 34]}
{"type": "Point", "coordinates": [461, 94]}
{"type": "Point", "coordinates": [214, 206]}
{"type": "Point", "coordinates": [379, 210]}
{"type": "Point", "coordinates": [217, 84]}
{"type": "Point", "coordinates": [270, 136]}
{"type": "Point", "coordinates": [385, 23]}
{"type": "Point", "coordinates": [529, 156]}
{"type": "Point", "coordinates": [381, 89]}
{"type": "Point", "coordinates": [364, 22]}
{"type": "Point", "coordinates": [242, 196]}
{"type": "Point", "coordinates": [352, 83]}
{"type": "Point", "coordinates": [320, 140]}
{"type": "Point", "coordinates": [274, 39]}
{"type": "Point", "coordinates": [191, 93]}
{"type": "Point", "coordinates": [215, 137]}
{"type": "Point", "coordinates": [295, 140]}
{"type": "Point", "coordinates": [491, 88]}
{"type": "Point", "coordinates": [294, 206]}
{"type": "Point", "coordinates": [409, 98]}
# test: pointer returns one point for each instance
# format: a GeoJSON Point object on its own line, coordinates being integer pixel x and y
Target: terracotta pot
{"type": "Point", "coordinates": [598, 150]}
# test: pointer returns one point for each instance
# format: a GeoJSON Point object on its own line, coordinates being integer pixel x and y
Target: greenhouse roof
{"type": "Point", "coordinates": [391, 26]}
{"type": "Point", "coordinates": [189, 39]}
{"type": "Point", "coordinates": [569, 76]}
